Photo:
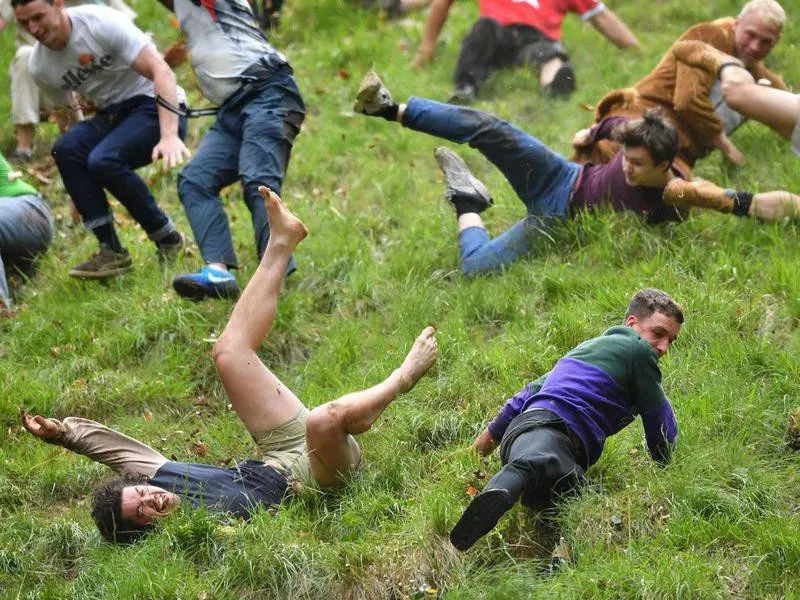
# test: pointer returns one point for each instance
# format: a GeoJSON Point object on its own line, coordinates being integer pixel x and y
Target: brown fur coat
{"type": "Point", "coordinates": [682, 92]}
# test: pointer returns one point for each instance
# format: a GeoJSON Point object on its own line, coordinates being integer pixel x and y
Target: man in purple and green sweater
{"type": "Point", "coordinates": [555, 428]}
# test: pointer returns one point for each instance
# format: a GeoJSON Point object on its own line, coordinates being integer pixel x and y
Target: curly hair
{"type": "Point", "coordinates": [651, 132]}
{"type": "Point", "coordinates": [107, 509]}
{"type": "Point", "coordinates": [649, 300]}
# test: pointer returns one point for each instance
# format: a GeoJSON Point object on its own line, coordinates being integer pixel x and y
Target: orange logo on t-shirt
{"type": "Point", "coordinates": [85, 59]}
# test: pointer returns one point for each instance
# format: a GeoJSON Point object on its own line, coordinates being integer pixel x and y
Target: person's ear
{"type": "Point", "coordinates": [631, 320]}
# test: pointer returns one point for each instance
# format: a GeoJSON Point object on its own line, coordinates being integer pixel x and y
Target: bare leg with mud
{"type": "Point", "coordinates": [332, 450]}
{"type": "Point", "coordinates": [260, 399]}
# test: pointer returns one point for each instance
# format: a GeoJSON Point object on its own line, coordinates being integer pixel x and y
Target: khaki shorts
{"type": "Point", "coordinates": [796, 136]}
{"type": "Point", "coordinates": [284, 448]}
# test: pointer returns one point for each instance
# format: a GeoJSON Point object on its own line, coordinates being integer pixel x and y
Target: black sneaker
{"type": "Point", "coordinates": [563, 83]}
{"type": "Point", "coordinates": [105, 263]}
{"type": "Point", "coordinates": [481, 516]}
{"type": "Point", "coordinates": [373, 96]}
{"type": "Point", "coordinates": [169, 252]}
{"type": "Point", "coordinates": [461, 183]}
{"type": "Point", "coordinates": [463, 95]}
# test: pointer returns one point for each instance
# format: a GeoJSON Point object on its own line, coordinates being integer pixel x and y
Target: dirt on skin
{"type": "Point", "coordinates": [792, 436]}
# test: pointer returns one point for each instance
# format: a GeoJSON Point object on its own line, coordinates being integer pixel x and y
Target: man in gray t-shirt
{"type": "Point", "coordinates": [94, 51]}
{"type": "Point", "coordinates": [260, 113]}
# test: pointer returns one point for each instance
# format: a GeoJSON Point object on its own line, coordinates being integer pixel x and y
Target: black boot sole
{"type": "Point", "coordinates": [480, 518]}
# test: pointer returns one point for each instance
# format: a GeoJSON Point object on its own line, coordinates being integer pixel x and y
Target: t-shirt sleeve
{"type": "Point", "coordinates": [122, 38]}
{"type": "Point", "coordinates": [587, 8]}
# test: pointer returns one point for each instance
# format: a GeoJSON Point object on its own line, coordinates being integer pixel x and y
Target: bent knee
{"type": "Point", "coordinates": [325, 420]}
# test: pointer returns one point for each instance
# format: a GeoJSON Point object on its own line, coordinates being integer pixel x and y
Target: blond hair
{"type": "Point", "coordinates": [770, 11]}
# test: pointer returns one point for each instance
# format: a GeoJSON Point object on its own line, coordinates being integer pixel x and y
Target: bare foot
{"type": "Point", "coordinates": [284, 227]}
{"type": "Point", "coordinates": [420, 358]}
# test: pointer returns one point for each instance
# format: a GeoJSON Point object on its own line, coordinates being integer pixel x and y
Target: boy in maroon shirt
{"type": "Point", "coordinates": [641, 177]}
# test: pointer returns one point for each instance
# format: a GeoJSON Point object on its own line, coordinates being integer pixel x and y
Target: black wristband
{"type": "Point", "coordinates": [741, 203]}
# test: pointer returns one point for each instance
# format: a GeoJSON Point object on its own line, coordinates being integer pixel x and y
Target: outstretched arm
{"type": "Point", "coordinates": [95, 441]}
{"type": "Point", "coordinates": [433, 27]}
{"type": "Point", "coordinates": [150, 64]}
{"type": "Point", "coordinates": [661, 432]}
{"type": "Point", "coordinates": [614, 29]}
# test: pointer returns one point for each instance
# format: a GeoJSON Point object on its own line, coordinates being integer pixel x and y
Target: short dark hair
{"type": "Point", "coordinates": [107, 509]}
{"type": "Point", "coordinates": [15, 3]}
{"type": "Point", "coordinates": [651, 132]}
{"type": "Point", "coordinates": [649, 300]}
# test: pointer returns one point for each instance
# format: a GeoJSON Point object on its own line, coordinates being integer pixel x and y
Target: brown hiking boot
{"type": "Point", "coordinates": [704, 56]}
{"type": "Point", "coordinates": [105, 263]}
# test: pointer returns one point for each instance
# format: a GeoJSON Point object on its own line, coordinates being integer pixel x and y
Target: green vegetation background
{"type": "Point", "coordinates": [380, 264]}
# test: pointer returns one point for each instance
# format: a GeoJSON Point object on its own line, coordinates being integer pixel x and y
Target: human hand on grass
{"type": "Point", "coordinates": [41, 427]}
{"type": "Point", "coordinates": [484, 444]}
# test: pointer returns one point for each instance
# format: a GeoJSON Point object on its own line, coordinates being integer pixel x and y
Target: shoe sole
{"type": "Point", "coordinates": [563, 83]}
{"type": "Point", "coordinates": [106, 274]}
{"type": "Point", "coordinates": [480, 518]}
{"type": "Point", "coordinates": [456, 171]}
{"type": "Point", "coordinates": [195, 291]}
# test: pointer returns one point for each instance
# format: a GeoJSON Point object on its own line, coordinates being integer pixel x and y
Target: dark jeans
{"type": "Point", "coordinates": [490, 45]}
{"type": "Point", "coordinates": [26, 228]}
{"type": "Point", "coordinates": [101, 154]}
{"type": "Point", "coordinates": [542, 178]}
{"type": "Point", "coordinates": [250, 141]}
{"type": "Point", "coordinates": [539, 462]}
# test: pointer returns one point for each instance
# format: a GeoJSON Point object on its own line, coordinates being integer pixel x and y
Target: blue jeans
{"type": "Point", "coordinates": [26, 228]}
{"type": "Point", "coordinates": [101, 154]}
{"type": "Point", "coordinates": [250, 141]}
{"type": "Point", "coordinates": [542, 179]}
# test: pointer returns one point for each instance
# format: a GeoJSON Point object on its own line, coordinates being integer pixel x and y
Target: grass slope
{"type": "Point", "coordinates": [381, 263]}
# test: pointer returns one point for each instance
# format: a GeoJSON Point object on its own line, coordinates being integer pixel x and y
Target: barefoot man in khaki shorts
{"type": "Point", "coordinates": [297, 445]}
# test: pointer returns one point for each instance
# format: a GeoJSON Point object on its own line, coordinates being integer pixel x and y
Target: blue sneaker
{"type": "Point", "coordinates": [208, 283]}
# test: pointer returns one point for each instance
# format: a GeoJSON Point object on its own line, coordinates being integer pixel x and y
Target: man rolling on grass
{"type": "Point", "coordinates": [642, 177]}
{"type": "Point", "coordinates": [298, 446]}
{"type": "Point", "coordinates": [776, 108]}
{"type": "Point", "coordinates": [555, 428]}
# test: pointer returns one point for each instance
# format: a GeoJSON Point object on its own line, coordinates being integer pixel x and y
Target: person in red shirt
{"type": "Point", "coordinates": [519, 32]}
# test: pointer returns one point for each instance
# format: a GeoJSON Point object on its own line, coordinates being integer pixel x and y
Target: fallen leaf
{"type": "Point", "coordinates": [344, 74]}
{"type": "Point", "coordinates": [471, 491]}
{"type": "Point", "coordinates": [148, 416]}
{"type": "Point", "coordinates": [199, 448]}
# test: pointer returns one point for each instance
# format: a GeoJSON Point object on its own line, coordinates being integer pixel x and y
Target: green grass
{"type": "Point", "coordinates": [381, 263]}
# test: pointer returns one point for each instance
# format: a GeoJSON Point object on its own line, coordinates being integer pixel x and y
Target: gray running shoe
{"type": "Point", "coordinates": [460, 181]}
{"type": "Point", "coordinates": [105, 263]}
{"type": "Point", "coordinates": [372, 96]}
